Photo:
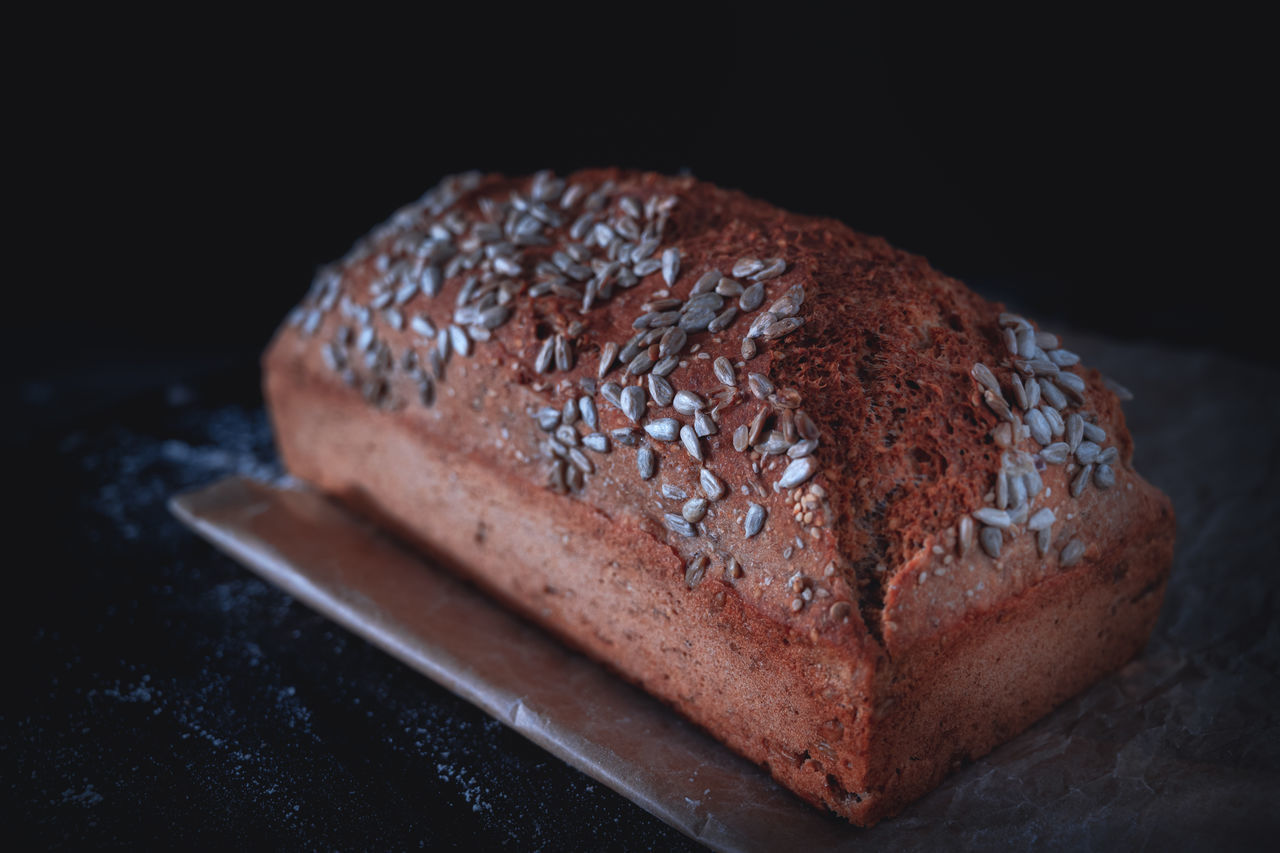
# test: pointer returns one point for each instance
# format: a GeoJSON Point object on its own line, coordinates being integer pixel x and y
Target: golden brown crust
{"type": "Point", "coordinates": [859, 590]}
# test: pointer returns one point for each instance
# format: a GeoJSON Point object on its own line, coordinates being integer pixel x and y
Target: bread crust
{"type": "Point", "coordinates": [854, 644]}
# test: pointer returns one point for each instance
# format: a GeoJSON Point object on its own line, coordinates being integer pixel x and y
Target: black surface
{"type": "Point", "coordinates": [180, 179]}
{"type": "Point", "coordinates": [163, 695]}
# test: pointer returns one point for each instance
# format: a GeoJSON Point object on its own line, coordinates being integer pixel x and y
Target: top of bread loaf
{"type": "Point", "coordinates": [852, 442]}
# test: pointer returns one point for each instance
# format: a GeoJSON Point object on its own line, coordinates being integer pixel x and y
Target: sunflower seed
{"type": "Point", "coordinates": [687, 402]}
{"type": "Point", "coordinates": [752, 297]}
{"type": "Point", "coordinates": [788, 305]}
{"type": "Point", "coordinates": [1070, 383]}
{"type": "Point", "coordinates": [555, 478]}
{"type": "Point", "coordinates": [696, 570]}
{"type": "Point", "coordinates": [640, 364]}
{"type": "Point", "coordinates": [997, 404]}
{"type": "Point", "coordinates": [732, 569]}
{"type": "Point", "coordinates": [697, 320]}
{"type": "Point", "coordinates": [722, 320]}
{"type": "Point", "coordinates": [624, 436]}
{"type": "Point", "coordinates": [1040, 429]}
{"type": "Point", "coordinates": [1002, 491]}
{"type": "Point", "coordinates": [1052, 395]}
{"type": "Point", "coordinates": [805, 427]}
{"type": "Point", "coordinates": [670, 265]}
{"type": "Point", "coordinates": [564, 353]}
{"type": "Point", "coordinates": [632, 399]}
{"type": "Point", "coordinates": [748, 349]}
{"type": "Point", "coordinates": [1056, 453]}
{"type": "Point", "coordinates": [802, 448]}
{"type": "Point", "coordinates": [797, 472]}
{"type": "Point", "coordinates": [711, 485]}
{"type": "Point", "coordinates": [570, 413]}
{"type": "Point", "coordinates": [689, 438]}
{"type": "Point", "coordinates": [712, 301]}
{"type": "Point", "coordinates": [495, 316]}
{"type": "Point", "coordinates": [612, 392]}
{"type": "Point", "coordinates": [740, 442]}
{"type": "Point", "coordinates": [964, 533]}
{"type": "Point", "coordinates": [608, 354]}
{"type": "Point", "coordinates": [1108, 456]}
{"type": "Point", "coordinates": [1063, 358]}
{"type": "Point", "coordinates": [422, 325]}
{"type": "Point", "coordinates": [1041, 520]}
{"type": "Point", "coordinates": [1075, 430]}
{"type": "Point", "coordinates": [760, 385]}
{"type": "Point", "coordinates": [758, 423]}
{"type": "Point", "coordinates": [993, 517]}
{"type": "Point", "coordinates": [665, 365]}
{"type": "Point", "coordinates": [694, 510]}
{"type": "Point", "coordinates": [773, 268]}
{"type": "Point", "coordinates": [673, 340]}
{"type": "Point", "coordinates": [567, 435]}
{"type": "Point", "coordinates": [580, 461]}
{"type": "Point", "coordinates": [1053, 418]}
{"type": "Point", "coordinates": [703, 425]}
{"type": "Point", "coordinates": [677, 524]}
{"type": "Point", "coordinates": [646, 463]}
{"type": "Point", "coordinates": [1026, 342]}
{"type": "Point", "coordinates": [1081, 481]}
{"type": "Point", "coordinates": [1072, 553]}
{"type": "Point", "coordinates": [405, 292]}
{"type": "Point", "coordinates": [1087, 452]}
{"type": "Point", "coordinates": [991, 539]}
{"type": "Point", "coordinates": [663, 429]}
{"type": "Point", "coordinates": [774, 445]}
{"type": "Point", "coordinates": [746, 266]}
{"type": "Point", "coordinates": [1104, 477]}
{"type": "Point", "coordinates": [1035, 485]}
{"type": "Point", "coordinates": [646, 267]}
{"type": "Point", "coordinates": [1019, 393]}
{"type": "Point", "coordinates": [754, 521]}
{"type": "Point", "coordinates": [542, 364]}
{"type": "Point", "coordinates": [603, 234]}
{"type": "Point", "coordinates": [660, 390]}
{"type": "Point", "coordinates": [1094, 433]}
{"type": "Point", "coordinates": [984, 377]}
{"type": "Point", "coordinates": [674, 493]}
{"type": "Point", "coordinates": [723, 369]}
{"type": "Point", "coordinates": [431, 281]}
{"type": "Point", "coordinates": [782, 328]}
{"type": "Point", "coordinates": [597, 441]}
{"type": "Point", "coordinates": [1011, 341]}
{"type": "Point", "coordinates": [706, 283]}
{"type": "Point", "coordinates": [587, 408]}
{"type": "Point", "coordinates": [1017, 492]}
{"type": "Point", "coordinates": [459, 341]}
{"type": "Point", "coordinates": [729, 287]}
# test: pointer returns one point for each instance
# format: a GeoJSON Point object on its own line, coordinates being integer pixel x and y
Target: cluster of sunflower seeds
{"type": "Point", "coordinates": [1038, 404]}
{"type": "Point", "coordinates": [591, 242]}
{"type": "Point", "coordinates": [571, 431]}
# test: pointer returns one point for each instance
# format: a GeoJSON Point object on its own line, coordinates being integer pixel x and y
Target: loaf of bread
{"type": "Point", "coordinates": [854, 520]}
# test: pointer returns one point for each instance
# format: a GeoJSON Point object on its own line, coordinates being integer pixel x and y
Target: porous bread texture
{"type": "Point", "coordinates": [854, 645]}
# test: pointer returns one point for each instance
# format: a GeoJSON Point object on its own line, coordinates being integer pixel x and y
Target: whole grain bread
{"type": "Point", "coordinates": [830, 504]}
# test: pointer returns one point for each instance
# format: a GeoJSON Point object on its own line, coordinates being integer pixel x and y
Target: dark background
{"type": "Point", "coordinates": [177, 180]}
{"type": "Point", "coordinates": [1108, 171]}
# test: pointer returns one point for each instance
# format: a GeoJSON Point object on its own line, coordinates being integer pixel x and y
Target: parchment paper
{"type": "Point", "coordinates": [1179, 750]}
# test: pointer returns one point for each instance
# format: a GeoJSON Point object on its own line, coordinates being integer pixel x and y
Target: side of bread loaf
{"type": "Point", "coordinates": [828, 503]}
